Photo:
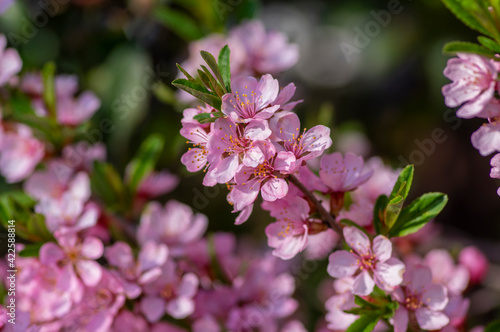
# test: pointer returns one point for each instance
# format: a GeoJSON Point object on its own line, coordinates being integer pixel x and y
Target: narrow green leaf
{"type": "Point", "coordinates": [210, 60]}
{"type": "Point", "coordinates": [31, 250]}
{"type": "Point", "coordinates": [489, 43]}
{"type": "Point", "coordinates": [418, 213]}
{"type": "Point", "coordinates": [393, 210]}
{"type": "Point", "coordinates": [468, 12]}
{"type": "Point", "coordinates": [183, 25]}
{"type": "Point", "coordinates": [403, 183]}
{"type": "Point", "coordinates": [216, 87]}
{"type": "Point", "coordinates": [225, 67]}
{"type": "Point", "coordinates": [199, 92]}
{"type": "Point", "coordinates": [365, 323]}
{"type": "Point", "coordinates": [144, 161]}
{"type": "Point", "coordinates": [379, 214]}
{"type": "Point", "coordinates": [108, 185]}
{"type": "Point", "coordinates": [363, 303]}
{"type": "Point", "coordinates": [37, 229]}
{"type": "Point", "coordinates": [49, 90]}
{"type": "Point", "coordinates": [189, 77]}
{"type": "Point", "coordinates": [454, 47]}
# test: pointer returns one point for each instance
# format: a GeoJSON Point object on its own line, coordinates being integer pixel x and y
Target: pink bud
{"type": "Point", "coordinates": [475, 261]}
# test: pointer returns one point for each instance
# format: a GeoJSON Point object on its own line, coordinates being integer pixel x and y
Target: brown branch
{"type": "Point", "coordinates": [324, 214]}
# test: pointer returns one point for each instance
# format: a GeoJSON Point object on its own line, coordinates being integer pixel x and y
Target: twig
{"type": "Point", "coordinates": [324, 214]}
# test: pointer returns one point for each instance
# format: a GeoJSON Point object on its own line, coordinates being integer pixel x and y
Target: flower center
{"type": "Point", "coordinates": [413, 302]}
{"type": "Point", "coordinates": [168, 291]}
{"type": "Point", "coordinates": [367, 262]}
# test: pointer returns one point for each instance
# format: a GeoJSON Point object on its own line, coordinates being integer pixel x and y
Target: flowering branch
{"type": "Point", "coordinates": [324, 214]}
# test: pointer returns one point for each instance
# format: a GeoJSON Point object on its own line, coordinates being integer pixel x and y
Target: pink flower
{"type": "Point", "coordinates": [495, 168]}
{"type": "Point", "coordinates": [445, 272]}
{"type": "Point", "coordinates": [133, 274]}
{"type": "Point", "coordinates": [97, 310]}
{"type": "Point", "coordinates": [487, 138]}
{"type": "Point", "coordinates": [336, 305]}
{"type": "Point", "coordinates": [266, 178]}
{"type": "Point", "coordinates": [196, 158]}
{"type": "Point", "coordinates": [305, 146]}
{"type": "Point", "coordinates": [127, 321]}
{"type": "Point", "coordinates": [476, 262]}
{"type": "Point", "coordinates": [231, 145]}
{"type": "Point", "coordinates": [267, 52]}
{"type": "Point", "coordinates": [371, 263]}
{"type": "Point", "coordinates": [174, 225]}
{"type": "Point", "coordinates": [288, 235]}
{"type": "Point", "coordinates": [75, 111]}
{"type": "Point", "coordinates": [157, 184]}
{"type": "Point", "coordinates": [20, 153]}
{"type": "Point", "coordinates": [456, 310]}
{"type": "Point", "coordinates": [262, 284]}
{"type": "Point", "coordinates": [77, 256]}
{"type": "Point", "coordinates": [474, 82]}
{"type": "Point", "coordinates": [81, 156]}
{"type": "Point", "coordinates": [169, 293]}
{"type": "Point", "coordinates": [284, 96]}
{"type": "Point", "coordinates": [250, 99]}
{"type": "Point", "coordinates": [420, 299]}
{"type": "Point", "coordinates": [380, 183]}
{"type": "Point", "coordinates": [10, 61]}
{"type": "Point", "coordinates": [62, 199]}
{"type": "Point", "coordinates": [189, 113]}
{"type": "Point", "coordinates": [343, 174]}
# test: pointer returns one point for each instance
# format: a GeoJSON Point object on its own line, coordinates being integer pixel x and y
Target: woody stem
{"type": "Point", "coordinates": [324, 214]}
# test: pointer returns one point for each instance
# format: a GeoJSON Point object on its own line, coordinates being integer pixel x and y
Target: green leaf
{"type": "Point", "coordinates": [418, 213]}
{"type": "Point", "coordinates": [225, 67]}
{"type": "Point", "coordinates": [144, 161]}
{"type": "Point", "coordinates": [198, 91]}
{"type": "Point", "coordinates": [208, 117]}
{"type": "Point", "coordinates": [393, 210]}
{"type": "Point", "coordinates": [108, 185]}
{"type": "Point", "coordinates": [178, 22]}
{"type": "Point", "coordinates": [403, 183]}
{"type": "Point", "coordinates": [31, 250]}
{"type": "Point", "coordinates": [215, 86]}
{"type": "Point", "coordinates": [489, 43]}
{"type": "Point", "coordinates": [210, 60]}
{"type": "Point", "coordinates": [37, 229]}
{"type": "Point", "coordinates": [398, 195]}
{"type": "Point", "coordinates": [49, 91]}
{"type": "Point", "coordinates": [470, 13]}
{"type": "Point", "coordinates": [365, 323]}
{"type": "Point", "coordinates": [493, 327]}
{"type": "Point", "coordinates": [189, 77]}
{"type": "Point", "coordinates": [454, 47]}
{"type": "Point", "coordinates": [363, 303]}
{"type": "Point", "coordinates": [379, 214]}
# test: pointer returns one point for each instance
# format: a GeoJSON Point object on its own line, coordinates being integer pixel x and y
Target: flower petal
{"type": "Point", "coordinates": [342, 264]}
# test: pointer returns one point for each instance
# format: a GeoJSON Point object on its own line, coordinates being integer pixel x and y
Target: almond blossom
{"type": "Point", "coordinates": [77, 256]}
{"type": "Point", "coordinates": [342, 174]}
{"type": "Point", "coordinates": [370, 263]}
{"type": "Point", "coordinates": [10, 61]}
{"type": "Point", "coordinates": [174, 225]}
{"type": "Point", "coordinates": [250, 99]}
{"type": "Point", "coordinates": [420, 299]}
{"type": "Point", "coordinates": [306, 145]}
{"type": "Point", "coordinates": [474, 83]}
{"type": "Point", "coordinates": [169, 293]}
{"type": "Point", "coordinates": [133, 274]}
{"type": "Point", "coordinates": [20, 153]}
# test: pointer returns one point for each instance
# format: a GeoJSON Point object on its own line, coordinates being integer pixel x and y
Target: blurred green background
{"type": "Point", "coordinates": [390, 91]}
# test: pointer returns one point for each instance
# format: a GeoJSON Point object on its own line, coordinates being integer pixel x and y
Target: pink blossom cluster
{"type": "Point", "coordinates": [474, 90]}
{"type": "Point", "coordinates": [90, 266]}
